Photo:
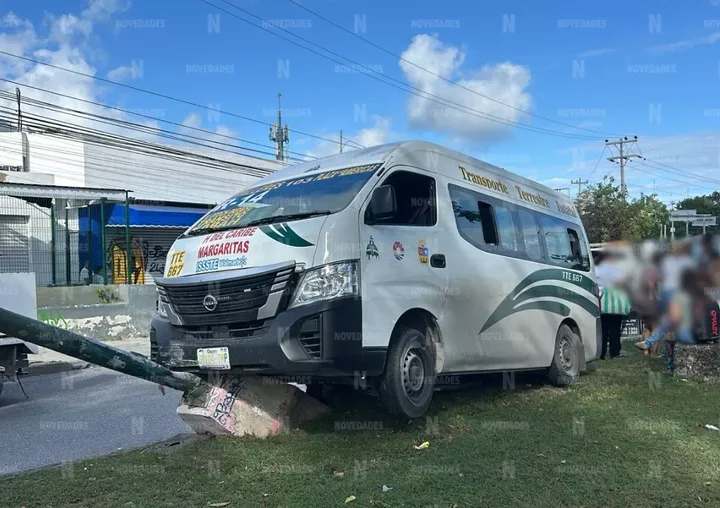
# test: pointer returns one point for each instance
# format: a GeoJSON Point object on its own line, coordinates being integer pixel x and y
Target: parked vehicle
{"type": "Point", "coordinates": [389, 265]}
{"type": "Point", "coordinates": [17, 294]}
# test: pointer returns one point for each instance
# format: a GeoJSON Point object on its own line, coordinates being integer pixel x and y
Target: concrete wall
{"type": "Point", "coordinates": [80, 309]}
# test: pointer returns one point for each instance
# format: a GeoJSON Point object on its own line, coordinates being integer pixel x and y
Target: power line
{"type": "Point", "coordinates": [428, 96]}
{"type": "Point", "coordinates": [158, 120]}
{"type": "Point", "coordinates": [157, 94]}
{"type": "Point", "coordinates": [121, 142]}
{"type": "Point", "coordinates": [137, 127]}
{"type": "Point", "coordinates": [598, 162]}
{"type": "Point", "coordinates": [438, 75]}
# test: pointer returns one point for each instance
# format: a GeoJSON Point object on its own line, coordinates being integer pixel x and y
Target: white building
{"type": "Point", "coordinates": [50, 192]}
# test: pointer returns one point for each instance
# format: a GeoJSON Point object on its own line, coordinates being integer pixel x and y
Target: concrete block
{"type": "Point", "coordinates": [238, 406]}
{"type": "Point", "coordinates": [698, 361]}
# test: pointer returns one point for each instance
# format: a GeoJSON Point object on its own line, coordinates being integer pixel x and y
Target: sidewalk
{"type": "Point", "coordinates": [48, 361]}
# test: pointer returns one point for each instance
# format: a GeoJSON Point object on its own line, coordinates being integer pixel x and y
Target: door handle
{"type": "Point", "coordinates": [437, 260]}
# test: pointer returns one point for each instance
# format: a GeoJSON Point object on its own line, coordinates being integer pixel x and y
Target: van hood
{"type": "Point", "coordinates": [250, 247]}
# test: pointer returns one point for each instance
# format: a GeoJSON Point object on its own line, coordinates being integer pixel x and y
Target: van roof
{"type": "Point", "coordinates": [400, 152]}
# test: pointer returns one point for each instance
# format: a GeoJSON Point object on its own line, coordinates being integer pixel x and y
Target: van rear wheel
{"type": "Point", "coordinates": [407, 385]}
{"type": "Point", "coordinates": [565, 367]}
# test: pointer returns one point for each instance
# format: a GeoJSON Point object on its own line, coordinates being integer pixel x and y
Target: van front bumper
{"type": "Point", "coordinates": [322, 339]}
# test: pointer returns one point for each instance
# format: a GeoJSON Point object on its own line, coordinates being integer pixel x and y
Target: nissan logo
{"type": "Point", "coordinates": [210, 303]}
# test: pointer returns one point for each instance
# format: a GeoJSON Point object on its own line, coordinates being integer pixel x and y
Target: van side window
{"type": "Point", "coordinates": [557, 240]}
{"type": "Point", "coordinates": [506, 227]}
{"type": "Point", "coordinates": [580, 252]}
{"type": "Point", "coordinates": [416, 200]}
{"type": "Point", "coordinates": [531, 234]}
{"type": "Point", "coordinates": [471, 216]}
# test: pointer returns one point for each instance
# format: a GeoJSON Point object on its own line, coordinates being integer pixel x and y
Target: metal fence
{"type": "Point", "coordinates": [61, 234]}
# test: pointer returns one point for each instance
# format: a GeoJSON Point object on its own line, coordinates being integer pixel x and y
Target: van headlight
{"type": "Point", "coordinates": [161, 303]}
{"type": "Point", "coordinates": [326, 283]}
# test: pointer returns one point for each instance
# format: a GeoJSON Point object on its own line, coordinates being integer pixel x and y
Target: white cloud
{"type": "Point", "coordinates": [595, 53]}
{"type": "Point", "coordinates": [124, 72]}
{"type": "Point", "coordinates": [102, 10]}
{"type": "Point", "coordinates": [505, 82]}
{"type": "Point", "coordinates": [379, 134]}
{"type": "Point", "coordinates": [686, 44]}
{"type": "Point", "coordinates": [217, 138]}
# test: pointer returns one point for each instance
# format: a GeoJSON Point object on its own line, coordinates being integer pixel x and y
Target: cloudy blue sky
{"type": "Point", "coordinates": [532, 87]}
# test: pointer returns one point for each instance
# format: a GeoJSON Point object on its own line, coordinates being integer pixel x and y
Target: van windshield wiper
{"type": "Point", "coordinates": [207, 231]}
{"type": "Point", "coordinates": [291, 216]}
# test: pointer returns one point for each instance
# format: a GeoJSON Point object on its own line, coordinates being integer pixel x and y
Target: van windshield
{"type": "Point", "coordinates": [300, 197]}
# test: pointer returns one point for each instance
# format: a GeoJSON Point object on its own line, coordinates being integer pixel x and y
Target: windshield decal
{"type": "Point", "coordinates": [282, 233]}
{"type": "Point", "coordinates": [326, 192]}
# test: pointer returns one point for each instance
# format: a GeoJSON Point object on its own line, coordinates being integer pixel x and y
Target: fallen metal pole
{"type": "Point", "coordinates": [97, 353]}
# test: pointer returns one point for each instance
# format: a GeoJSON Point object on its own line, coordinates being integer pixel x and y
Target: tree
{"type": "Point", "coordinates": [608, 217]}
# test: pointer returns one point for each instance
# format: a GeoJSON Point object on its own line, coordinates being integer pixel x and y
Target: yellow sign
{"type": "Point", "coordinates": [223, 219]}
{"type": "Point", "coordinates": [536, 199]}
{"type": "Point", "coordinates": [177, 262]}
{"type": "Point", "coordinates": [566, 209]}
{"type": "Point", "coordinates": [484, 181]}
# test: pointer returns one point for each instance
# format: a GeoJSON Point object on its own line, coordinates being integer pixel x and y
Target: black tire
{"type": "Point", "coordinates": [407, 385]}
{"type": "Point", "coordinates": [1, 386]}
{"type": "Point", "coordinates": [565, 367]}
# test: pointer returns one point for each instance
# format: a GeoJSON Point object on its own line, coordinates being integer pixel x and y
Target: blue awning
{"type": "Point", "coordinates": [147, 216]}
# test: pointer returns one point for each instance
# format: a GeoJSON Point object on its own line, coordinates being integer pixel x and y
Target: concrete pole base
{"type": "Point", "coordinates": [238, 406]}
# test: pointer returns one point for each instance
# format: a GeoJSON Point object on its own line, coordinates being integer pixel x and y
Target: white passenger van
{"type": "Point", "coordinates": [396, 264]}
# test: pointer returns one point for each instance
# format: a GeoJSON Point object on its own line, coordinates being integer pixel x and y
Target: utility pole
{"type": "Point", "coordinates": [280, 134]}
{"type": "Point", "coordinates": [340, 141]}
{"type": "Point", "coordinates": [622, 158]}
{"type": "Point", "coordinates": [19, 100]}
{"type": "Point", "coordinates": [579, 183]}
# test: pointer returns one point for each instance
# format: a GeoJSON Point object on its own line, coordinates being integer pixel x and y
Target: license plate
{"type": "Point", "coordinates": [213, 358]}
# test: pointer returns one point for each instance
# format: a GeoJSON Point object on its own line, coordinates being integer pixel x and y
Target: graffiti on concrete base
{"type": "Point", "coordinates": [222, 412]}
{"type": "Point", "coordinates": [53, 317]}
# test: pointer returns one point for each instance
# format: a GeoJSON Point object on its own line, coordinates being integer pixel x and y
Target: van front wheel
{"type": "Point", "coordinates": [407, 385]}
{"type": "Point", "coordinates": [565, 367]}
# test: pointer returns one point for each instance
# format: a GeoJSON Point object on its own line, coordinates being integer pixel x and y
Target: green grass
{"type": "Point", "coordinates": [618, 438]}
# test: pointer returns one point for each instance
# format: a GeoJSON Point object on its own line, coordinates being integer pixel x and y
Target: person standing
{"type": "Point", "coordinates": [614, 302]}
{"type": "Point", "coordinates": [85, 274]}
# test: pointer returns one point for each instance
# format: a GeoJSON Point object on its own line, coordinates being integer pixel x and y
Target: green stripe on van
{"type": "Point", "coordinates": [510, 305]}
{"type": "Point", "coordinates": [284, 234]}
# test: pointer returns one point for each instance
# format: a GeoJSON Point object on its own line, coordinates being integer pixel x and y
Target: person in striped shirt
{"type": "Point", "coordinates": [614, 305]}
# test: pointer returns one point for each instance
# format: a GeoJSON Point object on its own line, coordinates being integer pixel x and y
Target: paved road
{"type": "Point", "coordinates": [79, 414]}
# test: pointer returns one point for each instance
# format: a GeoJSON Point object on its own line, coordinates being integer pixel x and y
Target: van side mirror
{"type": "Point", "coordinates": [382, 204]}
